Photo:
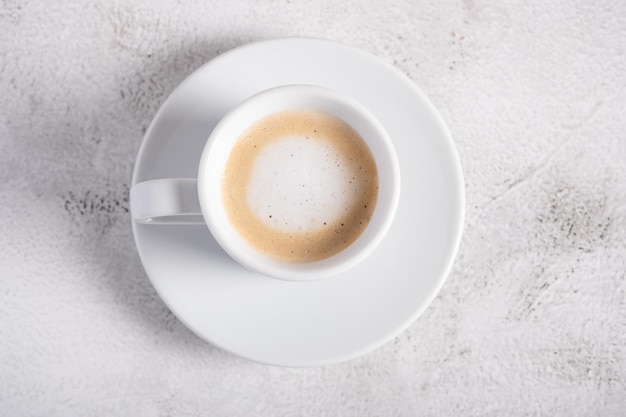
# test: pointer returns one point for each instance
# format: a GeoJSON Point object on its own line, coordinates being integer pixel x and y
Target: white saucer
{"type": "Point", "coordinates": [311, 323]}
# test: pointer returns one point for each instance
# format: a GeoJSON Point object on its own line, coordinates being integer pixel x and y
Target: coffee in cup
{"type": "Point", "coordinates": [300, 185]}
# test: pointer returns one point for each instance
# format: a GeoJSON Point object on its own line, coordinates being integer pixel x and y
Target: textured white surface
{"type": "Point", "coordinates": [532, 320]}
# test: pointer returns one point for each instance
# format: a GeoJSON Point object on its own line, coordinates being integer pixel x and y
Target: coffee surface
{"type": "Point", "coordinates": [300, 186]}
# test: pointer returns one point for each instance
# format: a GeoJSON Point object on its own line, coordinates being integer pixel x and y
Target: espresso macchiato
{"type": "Point", "coordinates": [300, 185]}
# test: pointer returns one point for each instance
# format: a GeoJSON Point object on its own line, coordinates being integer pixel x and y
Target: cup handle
{"type": "Point", "coordinates": [166, 201]}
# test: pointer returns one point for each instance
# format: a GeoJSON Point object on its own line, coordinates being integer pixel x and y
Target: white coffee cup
{"type": "Point", "coordinates": [201, 200]}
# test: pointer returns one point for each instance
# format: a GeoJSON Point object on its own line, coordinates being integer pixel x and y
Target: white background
{"type": "Point", "coordinates": [532, 319]}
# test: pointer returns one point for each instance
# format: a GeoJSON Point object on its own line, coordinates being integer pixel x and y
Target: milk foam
{"type": "Point", "coordinates": [301, 184]}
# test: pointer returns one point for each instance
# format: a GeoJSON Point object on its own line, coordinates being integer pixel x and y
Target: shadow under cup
{"type": "Point", "coordinates": [237, 126]}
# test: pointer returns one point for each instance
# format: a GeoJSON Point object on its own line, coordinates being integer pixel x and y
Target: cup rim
{"type": "Point", "coordinates": [252, 258]}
